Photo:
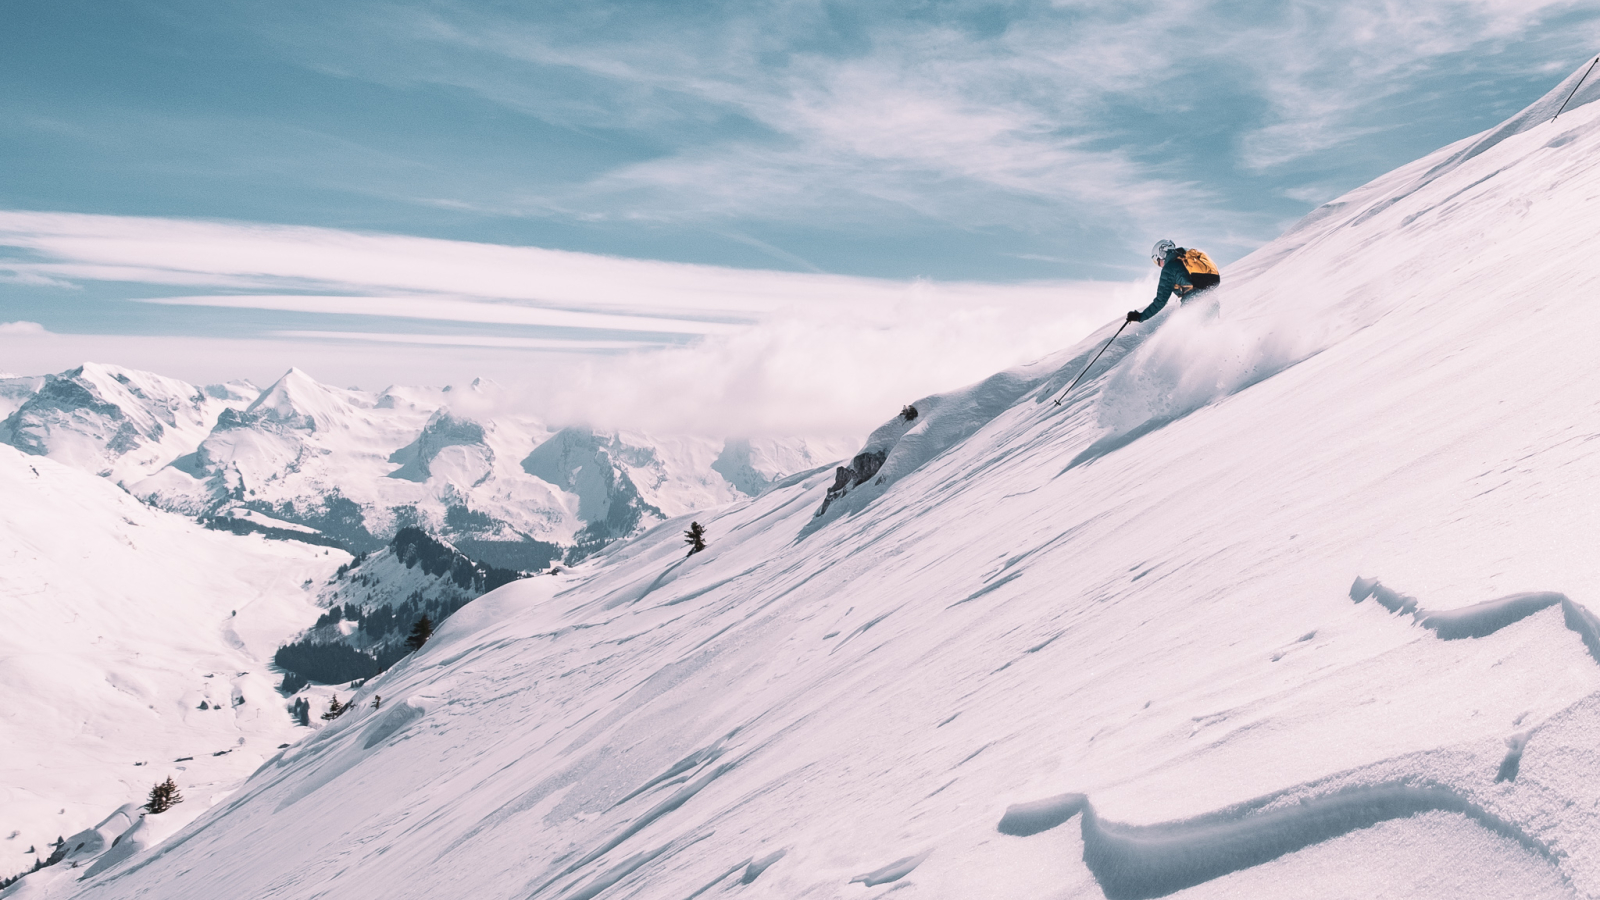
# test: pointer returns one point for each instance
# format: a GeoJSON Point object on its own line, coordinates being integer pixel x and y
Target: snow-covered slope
{"type": "Point", "coordinates": [1129, 618]}
{"type": "Point", "coordinates": [119, 622]}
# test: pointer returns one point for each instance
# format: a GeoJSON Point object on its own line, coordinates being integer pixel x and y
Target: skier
{"type": "Point", "coordinates": [1183, 271]}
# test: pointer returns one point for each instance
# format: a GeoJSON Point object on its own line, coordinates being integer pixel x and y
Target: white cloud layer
{"type": "Point", "coordinates": [767, 352]}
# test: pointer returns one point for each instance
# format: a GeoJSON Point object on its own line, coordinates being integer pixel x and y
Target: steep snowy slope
{"type": "Point", "coordinates": [1129, 618]}
{"type": "Point", "coordinates": [119, 622]}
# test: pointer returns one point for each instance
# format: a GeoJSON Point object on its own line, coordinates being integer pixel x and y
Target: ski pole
{"type": "Point", "coordinates": [1090, 365]}
{"type": "Point", "coordinates": [1575, 89]}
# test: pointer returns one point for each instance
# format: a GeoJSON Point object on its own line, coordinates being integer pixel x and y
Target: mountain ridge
{"type": "Point", "coordinates": [354, 468]}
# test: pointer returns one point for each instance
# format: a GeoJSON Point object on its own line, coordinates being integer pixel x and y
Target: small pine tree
{"type": "Point", "coordinates": [420, 633]}
{"type": "Point", "coordinates": [163, 797]}
{"type": "Point", "coordinates": [335, 709]}
{"type": "Point", "coordinates": [695, 537]}
{"type": "Point", "coordinates": [908, 412]}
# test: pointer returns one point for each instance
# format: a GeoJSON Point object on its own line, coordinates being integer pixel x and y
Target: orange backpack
{"type": "Point", "coordinates": [1202, 271]}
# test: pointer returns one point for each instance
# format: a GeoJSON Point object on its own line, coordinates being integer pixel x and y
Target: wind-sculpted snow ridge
{"type": "Point", "coordinates": [1486, 618]}
{"type": "Point", "coordinates": [1024, 819]}
{"type": "Point", "coordinates": [1130, 862]}
{"type": "Point", "coordinates": [1576, 90]}
{"type": "Point", "coordinates": [892, 872]}
{"type": "Point", "coordinates": [1138, 862]}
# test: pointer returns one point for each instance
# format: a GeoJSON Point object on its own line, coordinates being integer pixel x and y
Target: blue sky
{"type": "Point", "coordinates": [897, 144]}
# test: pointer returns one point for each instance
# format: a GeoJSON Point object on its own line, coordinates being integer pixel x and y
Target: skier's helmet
{"type": "Point", "coordinates": [1158, 253]}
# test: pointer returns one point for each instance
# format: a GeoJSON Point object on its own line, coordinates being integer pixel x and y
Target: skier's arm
{"type": "Point", "coordinates": [1171, 275]}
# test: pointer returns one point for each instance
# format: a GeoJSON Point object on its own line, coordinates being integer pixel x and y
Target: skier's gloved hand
{"type": "Point", "coordinates": [1135, 316]}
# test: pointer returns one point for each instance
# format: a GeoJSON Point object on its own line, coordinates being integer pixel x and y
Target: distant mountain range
{"type": "Point", "coordinates": [306, 461]}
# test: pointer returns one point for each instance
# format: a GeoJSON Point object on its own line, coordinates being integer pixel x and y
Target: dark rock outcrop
{"type": "Point", "coordinates": [861, 469]}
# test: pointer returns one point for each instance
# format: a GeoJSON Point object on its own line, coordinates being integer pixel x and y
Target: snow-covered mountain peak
{"type": "Point", "coordinates": [299, 401]}
{"type": "Point", "coordinates": [113, 421]}
{"type": "Point", "coordinates": [473, 460]}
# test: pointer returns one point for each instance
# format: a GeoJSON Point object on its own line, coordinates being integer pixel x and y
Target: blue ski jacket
{"type": "Point", "coordinates": [1173, 276]}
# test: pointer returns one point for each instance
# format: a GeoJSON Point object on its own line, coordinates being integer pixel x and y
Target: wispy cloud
{"type": "Point", "coordinates": [449, 309]}
{"type": "Point", "coordinates": [623, 343]}
{"type": "Point", "coordinates": [1325, 70]}
{"type": "Point", "coordinates": [855, 113]}
{"type": "Point", "coordinates": [19, 275]}
{"type": "Point", "coordinates": [1099, 122]}
{"type": "Point", "coordinates": [460, 340]}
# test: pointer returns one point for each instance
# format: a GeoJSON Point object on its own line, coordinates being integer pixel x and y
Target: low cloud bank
{"type": "Point", "coordinates": [571, 337]}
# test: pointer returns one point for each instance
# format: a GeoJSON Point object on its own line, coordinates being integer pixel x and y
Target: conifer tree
{"type": "Point", "coordinates": [420, 633]}
{"type": "Point", "coordinates": [163, 797]}
{"type": "Point", "coordinates": [335, 709]}
{"type": "Point", "coordinates": [695, 537]}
